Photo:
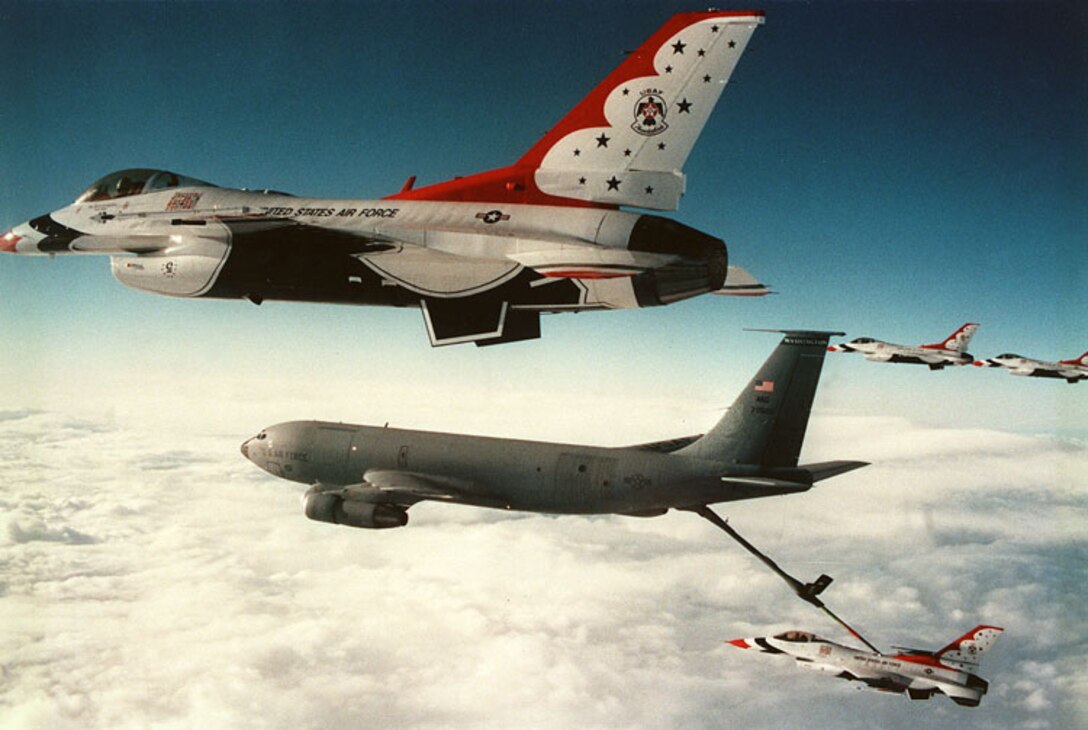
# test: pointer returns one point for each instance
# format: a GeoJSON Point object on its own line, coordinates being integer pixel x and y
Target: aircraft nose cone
{"type": "Point", "coordinates": [245, 448]}
{"type": "Point", "coordinates": [740, 644]}
{"type": "Point", "coordinates": [8, 241]}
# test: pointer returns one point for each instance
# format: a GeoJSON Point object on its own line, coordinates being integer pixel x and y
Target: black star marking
{"type": "Point", "coordinates": [713, 29]}
{"type": "Point", "coordinates": [679, 47]}
{"type": "Point", "coordinates": [668, 69]}
{"type": "Point", "coordinates": [661, 145]}
{"type": "Point", "coordinates": [626, 92]}
{"type": "Point", "coordinates": [701, 53]}
{"type": "Point", "coordinates": [649, 189]}
{"type": "Point", "coordinates": [613, 184]}
{"type": "Point", "coordinates": [684, 106]}
{"type": "Point", "coordinates": [706, 79]}
{"type": "Point", "coordinates": [581, 181]}
{"type": "Point", "coordinates": [602, 141]}
{"type": "Point", "coordinates": [577, 152]}
{"type": "Point", "coordinates": [627, 153]}
{"type": "Point", "coordinates": [732, 44]}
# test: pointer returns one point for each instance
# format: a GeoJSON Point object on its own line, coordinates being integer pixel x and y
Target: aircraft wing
{"type": "Point", "coordinates": [285, 231]}
{"type": "Point", "coordinates": [889, 681]}
{"type": "Point", "coordinates": [407, 487]}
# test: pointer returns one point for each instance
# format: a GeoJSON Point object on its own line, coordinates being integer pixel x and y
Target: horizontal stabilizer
{"type": "Point", "coordinates": [739, 283]}
{"type": "Point", "coordinates": [827, 469]}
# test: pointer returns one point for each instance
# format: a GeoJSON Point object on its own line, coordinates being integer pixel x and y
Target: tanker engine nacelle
{"type": "Point", "coordinates": [333, 508]}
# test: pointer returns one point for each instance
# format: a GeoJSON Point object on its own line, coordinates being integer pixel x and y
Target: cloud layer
{"type": "Point", "coordinates": [153, 579]}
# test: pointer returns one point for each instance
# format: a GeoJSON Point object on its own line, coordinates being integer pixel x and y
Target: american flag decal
{"type": "Point", "coordinates": [764, 386]}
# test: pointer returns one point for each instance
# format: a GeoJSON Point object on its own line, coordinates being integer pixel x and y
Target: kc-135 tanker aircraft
{"type": "Point", "coordinates": [366, 476]}
{"type": "Point", "coordinates": [950, 351]}
{"type": "Point", "coordinates": [482, 256]}
{"type": "Point", "coordinates": [921, 674]}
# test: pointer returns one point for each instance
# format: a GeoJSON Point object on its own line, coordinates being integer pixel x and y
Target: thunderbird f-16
{"type": "Point", "coordinates": [950, 671]}
{"type": "Point", "coordinates": [365, 476]}
{"type": "Point", "coordinates": [482, 256]}
{"type": "Point", "coordinates": [950, 351]}
{"type": "Point", "coordinates": [1073, 370]}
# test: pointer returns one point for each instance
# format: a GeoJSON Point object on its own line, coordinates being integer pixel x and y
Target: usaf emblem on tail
{"type": "Point", "coordinates": [650, 114]}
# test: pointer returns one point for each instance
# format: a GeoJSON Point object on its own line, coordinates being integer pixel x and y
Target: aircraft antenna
{"type": "Point", "coordinates": [807, 592]}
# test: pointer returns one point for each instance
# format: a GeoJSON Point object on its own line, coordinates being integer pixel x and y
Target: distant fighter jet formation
{"type": "Point", "coordinates": [953, 351]}
{"type": "Point", "coordinates": [1073, 371]}
{"type": "Point", "coordinates": [920, 674]}
{"type": "Point", "coordinates": [950, 351]}
{"type": "Point", "coordinates": [481, 256]}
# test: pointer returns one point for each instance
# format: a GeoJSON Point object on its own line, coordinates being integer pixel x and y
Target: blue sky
{"type": "Point", "coordinates": [892, 169]}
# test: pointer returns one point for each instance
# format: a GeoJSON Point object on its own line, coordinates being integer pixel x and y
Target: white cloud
{"type": "Point", "coordinates": [154, 578]}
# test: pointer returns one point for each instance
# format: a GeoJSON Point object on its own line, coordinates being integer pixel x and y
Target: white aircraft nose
{"type": "Point", "coordinates": [245, 448]}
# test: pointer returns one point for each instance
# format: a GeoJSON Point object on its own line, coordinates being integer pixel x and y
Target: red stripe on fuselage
{"type": "Point", "coordinates": [578, 274]}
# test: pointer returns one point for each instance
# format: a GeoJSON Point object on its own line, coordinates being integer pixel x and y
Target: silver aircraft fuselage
{"type": "Point", "coordinates": [507, 473]}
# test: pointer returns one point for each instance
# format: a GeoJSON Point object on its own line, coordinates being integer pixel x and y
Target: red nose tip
{"type": "Point", "coordinates": [740, 644]}
{"type": "Point", "coordinates": [8, 241]}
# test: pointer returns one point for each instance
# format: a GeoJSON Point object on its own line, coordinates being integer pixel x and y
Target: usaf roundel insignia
{"type": "Point", "coordinates": [650, 114]}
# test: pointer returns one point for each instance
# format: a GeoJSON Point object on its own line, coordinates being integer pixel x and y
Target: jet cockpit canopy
{"type": "Point", "coordinates": [1008, 356]}
{"type": "Point", "coordinates": [798, 636]}
{"type": "Point", "coordinates": [135, 181]}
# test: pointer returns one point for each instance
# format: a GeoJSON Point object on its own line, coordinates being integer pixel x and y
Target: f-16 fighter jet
{"type": "Point", "coordinates": [481, 256]}
{"type": "Point", "coordinates": [1073, 370]}
{"type": "Point", "coordinates": [921, 674]}
{"type": "Point", "coordinates": [950, 351]}
{"type": "Point", "coordinates": [366, 476]}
